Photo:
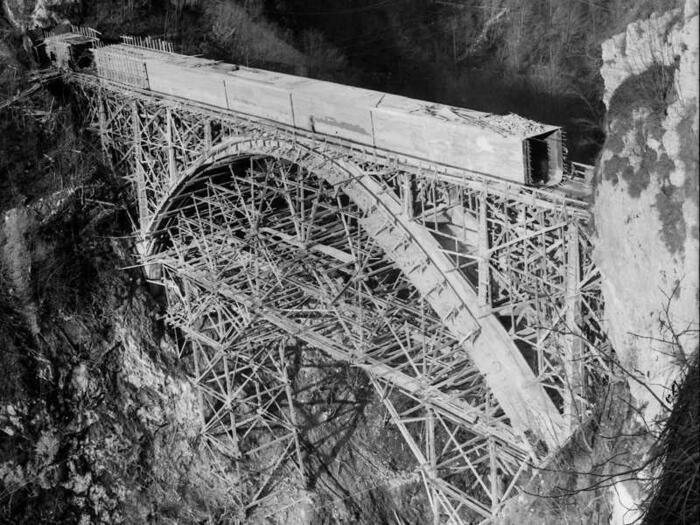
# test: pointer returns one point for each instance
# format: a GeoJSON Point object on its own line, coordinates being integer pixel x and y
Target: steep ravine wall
{"type": "Point", "coordinates": [646, 213]}
{"type": "Point", "coordinates": [646, 203]}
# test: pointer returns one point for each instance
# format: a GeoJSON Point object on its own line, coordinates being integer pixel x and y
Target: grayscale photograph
{"type": "Point", "coordinates": [373, 262]}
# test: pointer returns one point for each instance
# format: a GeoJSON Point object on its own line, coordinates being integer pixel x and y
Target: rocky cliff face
{"type": "Point", "coordinates": [98, 424]}
{"type": "Point", "coordinates": [646, 207]}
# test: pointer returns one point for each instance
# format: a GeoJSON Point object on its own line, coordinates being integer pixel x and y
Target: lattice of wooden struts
{"type": "Point", "coordinates": [532, 267]}
{"type": "Point", "coordinates": [499, 236]}
{"type": "Point", "coordinates": [243, 385]}
{"type": "Point", "coordinates": [526, 264]}
{"type": "Point", "coordinates": [449, 208]}
{"type": "Point", "coordinates": [195, 134]}
{"type": "Point", "coordinates": [310, 270]}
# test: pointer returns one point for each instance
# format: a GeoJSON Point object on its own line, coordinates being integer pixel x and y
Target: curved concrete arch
{"type": "Point", "coordinates": [415, 251]}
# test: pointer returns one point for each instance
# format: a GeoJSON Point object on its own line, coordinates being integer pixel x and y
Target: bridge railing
{"type": "Point", "coordinates": [87, 32]}
{"type": "Point", "coordinates": [580, 172]}
{"type": "Point", "coordinates": [154, 44]}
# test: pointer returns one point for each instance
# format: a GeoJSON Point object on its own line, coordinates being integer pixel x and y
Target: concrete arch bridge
{"type": "Point", "coordinates": [469, 304]}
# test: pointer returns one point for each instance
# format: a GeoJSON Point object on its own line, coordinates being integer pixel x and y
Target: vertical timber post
{"type": "Point", "coordinates": [573, 361]}
{"type": "Point", "coordinates": [229, 400]}
{"type": "Point", "coordinates": [292, 413]}
{"type": "Point", "coordinates": [494, 480]}
{"type": "Point", "coordinates": [139, 176]}
{"type": "Point", "coordinates": [102, 121]}
{"type": "Point", "coordinates": [483, 250]}
{"type": "Point", "coordinates": [407, 194]}
{"type": "Point", "coordinates": [432, 459]}
{"type": "Point", "coordinates": [152, 271]}
{"type": "Point", "coordinates": [208, 143]}
{"type": "Point", "coordinates": [172, 166]}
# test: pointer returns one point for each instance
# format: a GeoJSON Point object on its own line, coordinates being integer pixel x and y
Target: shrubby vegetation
{"type": "Point", "coordinates": [675, 494]}
{"type": "Point", "coordinates": [247, 37]}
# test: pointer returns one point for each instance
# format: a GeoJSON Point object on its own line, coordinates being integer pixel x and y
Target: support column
{"type": "Point", "coordinates": [292, 413]}
{"type": "Point", "coordinates": [432, 461]}
{"type": "Point", "coordinates": [483, 251]}
{"type": "Point", "coordinates": [139, 176]}
{"type": "Point", "coordinates": [152, 271]}
{"type": "Point", "coordinates": [573, 362]}
{"type": "Point", "coordinates": [172, 166]}
{"type": "Point", "coordinates": [494, 478]}
{"type": "Point", "coordinates": [102, 120]}
{"type": "Point", "coordinates": [207, 135]}
{"type": "Point", "coordinates": [407, 194]}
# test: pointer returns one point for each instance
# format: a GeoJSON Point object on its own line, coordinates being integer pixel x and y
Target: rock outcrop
{"type": "Point", "coordinates": [646, 210]}
{"type": "Point", "coordinates": [646, 206]}
{"type": "Point", "coordinates": [98, 422]}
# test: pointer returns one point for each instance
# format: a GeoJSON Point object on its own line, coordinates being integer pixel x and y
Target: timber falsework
{"type": "Point", "coordinates": [471, 302]}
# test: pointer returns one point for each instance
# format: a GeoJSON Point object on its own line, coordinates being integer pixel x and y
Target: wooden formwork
{"type": "Point", "coordinates": [473, 300]}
